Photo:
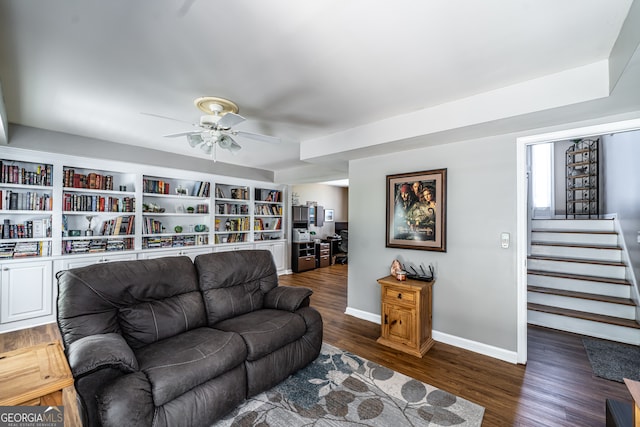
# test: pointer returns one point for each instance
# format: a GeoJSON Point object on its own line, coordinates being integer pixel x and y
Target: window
{"type": "Point", "coordinates": [542, 177]}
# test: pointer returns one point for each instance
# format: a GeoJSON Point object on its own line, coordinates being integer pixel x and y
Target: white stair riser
{"type": "Point", "coordinates": [607, 271]}
{"type": "Point", "coordinates": [585, 327]}
{"type": "Point", "coordinates": [614, 255]}
{"type": "Point", "coordinates": [575, 238]}
{"type": "Point", "coordinates": [573, 224]}
{"type": "Point", "coordinates": [588, 306]}
{"type": "Point", "coordinates": [597, 288]}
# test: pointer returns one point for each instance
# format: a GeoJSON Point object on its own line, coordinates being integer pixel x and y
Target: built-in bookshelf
{"type": "Point", "coordinates": [175, 212]}
{"type": "Point", "coordinates": [267, 214]}
{"type": "Point", "coordinates": [98, 211]}
{"type": "Point", "coordinates": [26, 204]}
{"type": "Point", "coordinates": [232, 223]}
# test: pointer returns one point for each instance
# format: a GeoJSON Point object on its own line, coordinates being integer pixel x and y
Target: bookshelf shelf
{"type": "Point", "coordinates": [26, 209]}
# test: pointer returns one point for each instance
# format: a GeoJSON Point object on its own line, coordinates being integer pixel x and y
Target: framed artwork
{"type": "Point", "coordinates": [328, 215]}
{"type": "Point", "coordinates": [416, 210]}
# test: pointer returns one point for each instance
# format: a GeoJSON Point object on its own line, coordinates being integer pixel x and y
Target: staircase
{"type": "Point", "coordinates": [576, 280]}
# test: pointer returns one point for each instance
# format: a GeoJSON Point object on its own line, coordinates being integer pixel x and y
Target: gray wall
{"type": "Point", "coordinates": [475, 291]}
{"type": "Point", "coordinates": [621, 190]}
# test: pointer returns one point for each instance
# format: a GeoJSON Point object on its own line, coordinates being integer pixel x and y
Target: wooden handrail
{"type": "Point", "coordinates": [634, 389]}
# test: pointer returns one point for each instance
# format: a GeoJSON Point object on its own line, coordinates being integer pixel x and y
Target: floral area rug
{"type": "Point", "coordinates": [342, 389]}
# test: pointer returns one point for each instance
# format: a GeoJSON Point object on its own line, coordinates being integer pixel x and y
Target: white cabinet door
{"type": "Point", "coordinates": [190, 252]}
{"type": "Point", "coordinates": [277, 250]}
{"type": "Point", "coordinates": [27, 291]}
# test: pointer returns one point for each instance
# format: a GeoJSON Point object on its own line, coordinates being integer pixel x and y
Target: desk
{"type": "Point", "coordinates": [34, 376]}
{"type": "Point", "coordinates": [335, 248]}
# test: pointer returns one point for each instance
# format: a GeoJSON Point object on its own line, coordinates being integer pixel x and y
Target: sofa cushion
{"type": "Point", "coordinates": [265, 331]}
{"type": "Point", "coordinates": [150, 321]}
{"type": "Point", "coordinates": [91, 298]}
{"type": "Point", "coordinates": [234, 283]}
{"type": "Point", "coordinates": [182, 362]}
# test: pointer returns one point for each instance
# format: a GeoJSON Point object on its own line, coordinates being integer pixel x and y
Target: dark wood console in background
{"type": "Point", "coordinates": [303, 256]}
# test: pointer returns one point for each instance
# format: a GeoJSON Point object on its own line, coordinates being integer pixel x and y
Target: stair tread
{"type": "Point", "coordinates": [581, 277]}
{"type": "Point", "coordinates": [584, 315]}
{"type": "Point", "coordinates": [555, 230]}
{"type": "Point", "coordinates": [581, 295]}
{"type": "Point", "coordinates": [576, 245]}
{"type": "Point", "coordinates": [577, 260]}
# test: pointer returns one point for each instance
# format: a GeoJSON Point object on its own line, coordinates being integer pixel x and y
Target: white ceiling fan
{"type": "Point", "coordinates": [216, 127]}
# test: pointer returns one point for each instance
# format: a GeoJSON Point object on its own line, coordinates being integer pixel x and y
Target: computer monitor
{"type": "Point", "coordinates": [341, 226]}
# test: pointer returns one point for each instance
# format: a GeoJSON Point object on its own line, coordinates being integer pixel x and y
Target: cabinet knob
{"type": "Point", "coordinates": [399, 296]}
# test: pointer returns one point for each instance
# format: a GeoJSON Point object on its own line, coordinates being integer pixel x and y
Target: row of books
{"type": "Point", "coordinates": [27, 201]}
{"type": "Point", "coordinates": [268, 210]}
{"type": "Point", "coordinates": [270, 196]}
{"type": "Point", "coordinates": [155, 186]}
{"type": "Point", "coordinates": [241, 193]}
{"type": "Point", "coordinates": [92, 181]}
{"type": "Point", "coordinates": [231, 238]}
{"type": "Point", "coordinates": [232, 209]}
{"type": "Point", "coordinates": [152, 226]}
{"type": "Point", "coordinates": [259, 224]}
{"type": "Point", "coordinates": [94, 203]}
{"type": "Point", "coordinates": [201, 189]}
{"type": "Point", "coordinates": [117, 226]}
{"type": "Point", "coordinates": [14, 174]}
{"type": "Point", "coordinates": [96, 245]}
{"type": "Point", "coordinates": [24, 249]}
{"type": "Point", "coordinates": [27, 230]}
{"type": "Point", "coordinates": [174, 241]}
{"type": "Point", "coordinates": [232, 224]}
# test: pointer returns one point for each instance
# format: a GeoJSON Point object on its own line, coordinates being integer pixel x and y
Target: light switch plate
{"type": "Point", "coordinates": [504, 240]}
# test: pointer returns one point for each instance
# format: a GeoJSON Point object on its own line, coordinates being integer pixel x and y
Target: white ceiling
{"type": "Point", "coordinates": [300, 70]}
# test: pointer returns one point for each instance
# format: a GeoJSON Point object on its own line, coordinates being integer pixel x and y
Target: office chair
{"type": "Point", "coordinates": [343, 246]}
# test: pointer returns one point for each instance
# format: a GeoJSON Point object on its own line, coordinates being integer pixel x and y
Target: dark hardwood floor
{"type": "Point", "coordinates": [555, 388]}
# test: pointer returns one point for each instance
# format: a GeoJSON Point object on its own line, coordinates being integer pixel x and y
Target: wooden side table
{"type": "Point", "coordinates": [406, 315]}
{"type": "Point", "coordinates": [34, 376]}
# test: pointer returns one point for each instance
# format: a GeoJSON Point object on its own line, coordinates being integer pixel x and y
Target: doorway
{"type": "Point", "coordinates": [523, 196]}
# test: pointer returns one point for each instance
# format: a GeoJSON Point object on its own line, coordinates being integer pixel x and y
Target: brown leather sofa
{"type": "Point", "coordinates": [170, 342]}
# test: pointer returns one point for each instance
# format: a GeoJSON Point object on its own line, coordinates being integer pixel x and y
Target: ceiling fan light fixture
{"type": "Point", "coordinates": [195, 139]}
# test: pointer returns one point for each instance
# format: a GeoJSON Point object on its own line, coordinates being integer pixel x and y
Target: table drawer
{"type": "Point", "coordinates": [306, 263]}
{"type": "Point", "coordinates": [324, 260]}
{"type": "Point", "coordinates": [399, 295]}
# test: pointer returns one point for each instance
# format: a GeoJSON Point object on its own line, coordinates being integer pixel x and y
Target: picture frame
{"type": "Point", "coordinates": [328, 215]}
{"type": "Point", "coordinates": [417, 210]}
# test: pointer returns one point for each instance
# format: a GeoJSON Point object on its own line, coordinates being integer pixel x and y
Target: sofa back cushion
{"type": "Point", "coordinates": [234, 283]}
{"type": "Point", "coordinates": [145, 300]}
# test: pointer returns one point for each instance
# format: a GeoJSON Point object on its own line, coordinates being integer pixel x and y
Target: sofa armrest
{"type": "Point", "coordinates": [288, 298]}
{"type": "Point", "coordinates": [95, 352]}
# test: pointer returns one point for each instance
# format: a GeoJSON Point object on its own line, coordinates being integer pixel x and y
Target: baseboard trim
{"type": "Point", "coordinates": [466, 344]}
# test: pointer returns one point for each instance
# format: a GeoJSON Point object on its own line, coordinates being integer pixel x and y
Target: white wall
{"type": "Point", "coordinates": [475, 290]}
{"type": "Point", "coordinates": [327, 196]}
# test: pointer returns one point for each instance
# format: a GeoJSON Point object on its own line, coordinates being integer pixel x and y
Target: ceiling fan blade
{"type": "Point", "coordinates": [257, 136]}
{"type": "Point", "coordinates": [174, 135]}
{"type": "Point", "coordinates": [229, 120]}
{"type": "Point", "coordinates": [167, 118]}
